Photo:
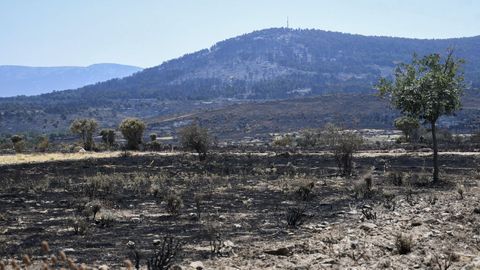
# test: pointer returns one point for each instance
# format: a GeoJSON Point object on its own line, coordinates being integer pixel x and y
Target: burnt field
{"type": "Point", "coordinates": [245, 211]}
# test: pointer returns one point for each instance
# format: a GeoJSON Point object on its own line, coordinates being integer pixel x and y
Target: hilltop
{"type": "Point", "coordinates": [264, 65]}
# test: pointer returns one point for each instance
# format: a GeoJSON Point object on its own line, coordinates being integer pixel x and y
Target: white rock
{"type": "Point", "coordinates": [368, 226]}
{"type": "Point", "coordinates": [197, 265]}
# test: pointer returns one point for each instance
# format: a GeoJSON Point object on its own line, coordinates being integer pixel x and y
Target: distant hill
{"type": "Point", "coordinates": [258, 119]}
{"type": "Point", "coordinates": [266, 65]}
{"type": "Point", "coordinates": [23, 80]}
{"type": "Point", "coordinates": [280, 63]}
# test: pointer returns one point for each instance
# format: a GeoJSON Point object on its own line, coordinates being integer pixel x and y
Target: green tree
{"type": "Point", "coordinates": [86, 128]}
{"type": "Point", "coordinates": [153, 137]}
{"type": "Point", "coordinates": [426, 89]}
{"type": "Point", "coordinates": [108, 137]}
{"type": "Point", "coordinates": [195, 137]}
{"type": "Point", "coordinates": [132, 129]}
{"type": "Point", "coordinates": [18, 143]}
{"type": "Point", "coordinates": [407, 125]}
{"type": "Point", "coordinates": [42, 144]}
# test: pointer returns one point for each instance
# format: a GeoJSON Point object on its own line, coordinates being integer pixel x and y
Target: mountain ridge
{"type": "Point", "coordinates": [270, 64]}
{"type": "Point", "coordinates": [253, 64]}
{"type": "Point", "coordinates": [33, 80]}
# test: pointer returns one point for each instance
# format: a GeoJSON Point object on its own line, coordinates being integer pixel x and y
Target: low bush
{"type": "Point", "coordinates": [404, 243]}
{"type": "Point", "coordinates": [304, 192]}
{"type": "Point", "coordinates": [174, 203]}
{"type": "Point", "coordinates": [296, 216]}
{"type": "Point", "coordinates": [344, 144]}
{"type": "Point", "coordinates": [164, 254]}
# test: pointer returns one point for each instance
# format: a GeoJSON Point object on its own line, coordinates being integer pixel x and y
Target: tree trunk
{"type": "Point", "coordinates": [435, 153]}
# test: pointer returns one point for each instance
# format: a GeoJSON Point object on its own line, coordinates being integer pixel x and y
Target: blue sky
{"type": "Point", "coordinates": [147, 32]}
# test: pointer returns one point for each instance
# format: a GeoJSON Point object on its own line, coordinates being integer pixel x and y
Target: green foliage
{"type": "Point", "coordinates": [42, 144]}
{"type": "Point", "coordinates": [86, 128]}
{"type": "Point", "coordinates": [153, 137]}
{"type": "Point", "coordinates": [426, 89]}
{"type": "Point", "coordinates": [132, 129]}
{"type": "Point", "coordinates": [407, 125]}
{"type": "Point", "coordinates": [108, 137]}
{"type": "Point", "coordinates": [18, 143]}
{"type": "Point", "coordinates": [16, 139]}
{"type": "Point", "coordinates": [154, 145]}
{"type": "Point", "coordinates": [195, 138]}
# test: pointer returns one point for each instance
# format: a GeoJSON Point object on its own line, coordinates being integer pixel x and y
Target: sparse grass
{"type": "Point", "coordinates": [46, 157]}
{"type": "Point", "coordinates": [248, 195]}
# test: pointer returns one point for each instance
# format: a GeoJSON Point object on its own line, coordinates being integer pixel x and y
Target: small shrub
{"type": "Point", "coordinates": [165, 253]}
{"type": "Point", "coordinates": [92, 208]}
{"type": "Point", "coordinates": [444, 261]}
{"type": "Point", "coordinates": [395, 177]}
{"type": "Point", "coordinates": [361, 190]}
{"type": "Point", "coordinates": [196, 138]}
{"type": "Point", "coordinates": [284, 141]}
{"type": "Point", "coordinates": [214, 235]}
{"type": "Point", "coordinates": [154, 146]}
{"type": "Point", "coordinates": [389, 200]}
{"type": "Point", "coordinates": [432, 199]}
{"type": "Point", "coordinates": [475, 138]}
{"type": "Point", "coordinates": [404, 244]}
{"type": "Point", "coordinates": [461, 191]}
{"type": "Point", "coordinates": [369, 214]}
{"type": "Point", "coordinates": [309, 138]}
{"type": "Point", "coordinates": [343, 144]}
{"type": "Point", "coordinates": [304, 192]}
{"type": "Point", "coordinates": [368, 179]}
{"type": "Point", "coordinates": [198, 204]}
{"type": "Point", "coordinates": [134, 255]}
{"type": "Point", "coordinates": [125, 153]}
{"type": "Point", "coordinates": [80, 226]}
{"type": "Point", "coordinates": [106, 219]}
{"type": "Point", "coordinates": [409, 197]}
{"type": "Point", "coordinates": [174, 203]}
{"type": "Point", "coordinates": [296, 216]}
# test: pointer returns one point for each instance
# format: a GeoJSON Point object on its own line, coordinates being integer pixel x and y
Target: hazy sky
{"type": "Point", "coordinates": [148, 32]}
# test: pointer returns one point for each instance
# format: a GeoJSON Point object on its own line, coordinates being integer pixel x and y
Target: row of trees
{"type": "Point", "coordinates": [192, 137]}
{"type": "Point", "coordinates": [21, 143]}
{"type": "Point", "coordinates": [131, 128]}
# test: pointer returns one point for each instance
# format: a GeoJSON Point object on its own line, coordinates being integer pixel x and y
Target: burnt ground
{"type": "Point", "coordinates": [244, 200]}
